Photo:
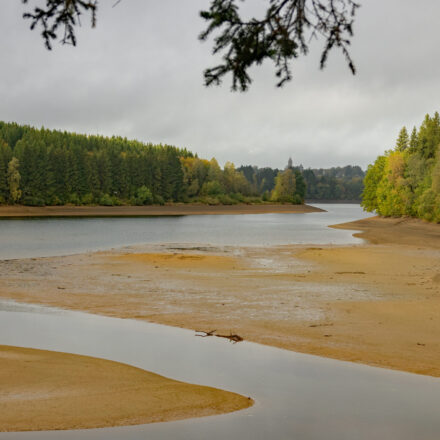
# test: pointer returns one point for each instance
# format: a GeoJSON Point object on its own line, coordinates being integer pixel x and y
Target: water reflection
{"type": "Point", "coordinates": [297, 396]}
{"type": "Point", "coordinates": [62, 236]}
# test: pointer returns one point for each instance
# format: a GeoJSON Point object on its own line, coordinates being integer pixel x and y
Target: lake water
{"type": "Point", "coordinates": [298, 397]}
{"type": "Point", "coordinates": [37, 237]}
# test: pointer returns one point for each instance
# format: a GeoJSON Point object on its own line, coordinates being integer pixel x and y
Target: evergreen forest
{"type": "Point", "coordinates": [47, 167]}
{"type": "Point", "coordinates": [41, 167]}
{"type": "Point", "coordinates": [405, 181]}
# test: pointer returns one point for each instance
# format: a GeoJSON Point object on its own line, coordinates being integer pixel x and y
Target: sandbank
{"type": "Point", "coordinates": [377, 304]}
{"type": "Point", "coordinates": [46, 390]}
{"type": "Point", "coordinates": [155, 210]}
{"type": "Point", "coordinates": [396, 231]}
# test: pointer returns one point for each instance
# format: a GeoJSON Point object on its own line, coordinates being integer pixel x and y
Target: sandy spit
{"type": "Point", "coordinates": [133, 211]}
{"type": "Point", "coordinates": [46, 390]}
{"type": "Point", "coordinates": [396, 231]}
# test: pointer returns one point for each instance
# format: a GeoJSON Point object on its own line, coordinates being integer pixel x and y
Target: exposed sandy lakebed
{"type": "Point", "coordinates": [377, 304]}
{"type": "Point", "coordinates": [46, 390]}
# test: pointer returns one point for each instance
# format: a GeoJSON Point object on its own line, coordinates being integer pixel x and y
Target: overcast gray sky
{"type": "Point", "coordinates": [139, 74]}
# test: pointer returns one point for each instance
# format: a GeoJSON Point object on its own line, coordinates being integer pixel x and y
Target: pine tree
{"type": "Point", "coordinates": [403, 140]}
{"type": "Point", "coordinates": [5, 157]}
{"type": "Point", "coordinates": [429, 136]}
{"type": "Point", "coordinates": [14, 180]}
{"type": "Point", "coordinates": [414, 140]}
{"type": "Point", "coordinates": [300, 187]}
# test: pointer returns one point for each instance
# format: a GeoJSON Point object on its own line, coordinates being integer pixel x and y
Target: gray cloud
{"type": "Point", "coordinates": [139, 74]}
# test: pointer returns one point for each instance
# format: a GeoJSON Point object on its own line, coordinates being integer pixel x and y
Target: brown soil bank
{"type": "Point", "coordinates": [133, 211]}
{"type": "Point", "coordinates": [45, 390]}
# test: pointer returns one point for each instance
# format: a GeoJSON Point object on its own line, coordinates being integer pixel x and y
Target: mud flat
{"type": "Point", "coordinates": [46, 390]}
{"type": "Point", "coordinates": [139, 211]}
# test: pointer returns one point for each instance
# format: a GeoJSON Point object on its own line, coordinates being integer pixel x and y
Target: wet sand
{"type": "Point", "coordinates": [396, 231]}
{"type": "Point", "coordinates": [46, 390]}
{"type": "Point", "coordinates": [139, 211]}
{"type": "Point", "coordinates": [377, 304]}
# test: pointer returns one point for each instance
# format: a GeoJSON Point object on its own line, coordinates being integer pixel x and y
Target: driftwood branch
{"type": "Point", "coordinates": [234, 338]}
{"type": "Point", "coordinates": [211, 333]}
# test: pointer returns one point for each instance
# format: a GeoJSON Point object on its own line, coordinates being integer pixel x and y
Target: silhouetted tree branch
{"type": "Point", "coordinates": [283, 34]}
{"type": "Point", "coordinates": [61, 13]}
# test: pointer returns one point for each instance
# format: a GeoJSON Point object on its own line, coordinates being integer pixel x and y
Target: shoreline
{"type": "Point", "coordinates": [151, 210]}
{"type": "Point", "coordinates": [375, 304]}
{"type": "Point", "coordinates": [395, 231]}
{"type": "Point", "coordinates": [45, 390]}
{"type": "Point", "coordinates": [369, 303]}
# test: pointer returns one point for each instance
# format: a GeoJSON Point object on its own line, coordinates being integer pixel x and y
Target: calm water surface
{"type": "Point", "coordinates": [298, 397]}
{"type": "Point", "coordinates": [62, 236]}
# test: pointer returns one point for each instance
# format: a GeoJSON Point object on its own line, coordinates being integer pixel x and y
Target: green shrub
{"type": "Point", "coordinates": [297, 200]}
{"type": "Point", "coordinates": [144, 196]}
{"type": "Point", "coordinates": [55, 201]}
{"type": "Point", "coordinates": [238, 197]}
{"type": "Point", "coordinates": [87, 199]}
{"type": "Point", "coordinates": [158, 199]}
{"type": "Point", "coordinates": [74, 199]}
{"type": "Point", "coordinates": [33, 201]}
{"type": "Point", "coordinates": [427, 204]}
{"type": "Point", "coordinates": [212, 188]}
{"type": "Point", "coordinates": [224, 199]}
{"type": "Point", "coordinates": [186, 199]}
{"type": "Point", "coordinates": [207, 200]}
{"type": "Point", "coordinates": [252, 200]}
{"type": "Point", "coordinates": [106, 200]}
{"type": "Point", "coordinates": [116, 201]}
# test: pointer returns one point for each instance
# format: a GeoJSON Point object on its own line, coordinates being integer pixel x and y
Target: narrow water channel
{"type": "Point", "coordinates": [297, 396]}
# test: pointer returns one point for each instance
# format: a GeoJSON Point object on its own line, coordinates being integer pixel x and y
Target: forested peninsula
{"type": "Point", "coordinates": [405, 181]}
{"type": "Point", "coordinates": [42, 167]}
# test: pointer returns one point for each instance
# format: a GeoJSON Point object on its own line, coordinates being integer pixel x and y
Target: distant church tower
{"type": "Point", "coordinates": [289, 163]}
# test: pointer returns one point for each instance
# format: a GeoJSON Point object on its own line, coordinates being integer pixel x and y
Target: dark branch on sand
{"type": "Point", "coordinates": [234, 338]}
{"type": "Point", "coordinates": [211, 333]}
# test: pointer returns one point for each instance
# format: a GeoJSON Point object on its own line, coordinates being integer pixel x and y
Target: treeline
{"type": "Point", "coordinates": [48, 167]}
{"type": "Point", "coordinates": [274, 184]}
{"type": "Point", "coordinates": [337, 183]}
{"type": "Point", "coordinates": [405, 181]}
